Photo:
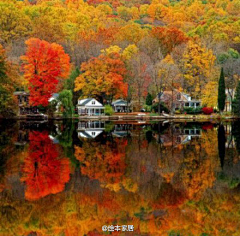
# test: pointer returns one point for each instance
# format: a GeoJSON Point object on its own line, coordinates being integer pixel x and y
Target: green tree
{"type": "Point", "coordinates": [108, 110]}
{"type": "Point", "coordinates": [7, 103]}
{"type": "Point", "coordinates": [65, 98]}
{"type": "Point", "coordinates": [221, 92]}
{"type": "Point", "coordinates": [149, 99]}
{"type": "Point", "coordinates": [236, 101]}
{"type": "Point", "coordinates": [69, 85]}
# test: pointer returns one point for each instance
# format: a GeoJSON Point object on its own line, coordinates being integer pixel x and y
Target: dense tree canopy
{"type": "Point", "coordinates": [200, 36]}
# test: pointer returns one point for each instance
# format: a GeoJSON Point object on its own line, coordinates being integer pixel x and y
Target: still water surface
{"type": "Point", "coordinates": [71, 178]}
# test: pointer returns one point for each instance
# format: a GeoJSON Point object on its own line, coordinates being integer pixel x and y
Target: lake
{"type": "Point", "coordinates": [100, 178]}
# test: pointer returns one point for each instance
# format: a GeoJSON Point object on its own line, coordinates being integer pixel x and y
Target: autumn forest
{"type": "Point", "coordinates": [117, 49]}
{"type": "Point", "coordinates": [169, 171]}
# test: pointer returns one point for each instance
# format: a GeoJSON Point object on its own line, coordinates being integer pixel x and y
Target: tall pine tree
{"type": "Point", "coordinates": [221, 92]}
{"type": "Point", "coordinates": [149, 99]}
{"type": "Point", "coordinates": [236, 101]}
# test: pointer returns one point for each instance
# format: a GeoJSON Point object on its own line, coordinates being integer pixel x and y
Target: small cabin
{"type": "Point", "coordinates": [24, 107]}
{"type": "Point", "coordinates": [121, 105]}
{"type": "Point", "coordinates": [90, 107]}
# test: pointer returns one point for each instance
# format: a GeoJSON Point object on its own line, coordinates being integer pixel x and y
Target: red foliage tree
{"type": "Point", "coordinates": [44, 65]}
{"type": "Point", "coordinates": [169, 38]}
{"type": "Point", "coordinates": [44, 172]}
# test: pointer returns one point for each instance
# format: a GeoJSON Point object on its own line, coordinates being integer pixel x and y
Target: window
{"type": "Point", "coordinates": [93, 102]}
{"type": "Point", "coordinates": [187, 104]}
{"type": "Point", "coordinates": [179, 140]}
{"type": "Point", "coordinates": [93, 133]}
{"type": "Point", "coordinates": [178, 96]}
{"type": "Point", "coordinates": [186, 131]}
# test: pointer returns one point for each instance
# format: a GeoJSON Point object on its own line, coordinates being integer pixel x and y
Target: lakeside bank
{"type": "Point", "coordinates": [138, 117]}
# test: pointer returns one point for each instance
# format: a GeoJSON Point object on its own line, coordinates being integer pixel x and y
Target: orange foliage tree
{"type": "Point", "coordinates": [103, 77]}
{"type": "Point", "coordinates": [44, 65]}
{"type": "Point", "coordinates": [44, 172]}
{"type": "Point", "coordinates": [169, 38]}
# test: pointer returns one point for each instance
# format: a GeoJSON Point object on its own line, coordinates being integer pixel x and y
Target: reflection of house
{"type": "Point", "coordinates": [23, 103]}
{"type": "Point", "coordinates": [230, 93]}
{"type": "Point", "coordinates": [179, 136]}
{"type": "Point", "coordinates": [90, 129]}
{"type": "Point", "coordinates": [22, 138]}
{"type": "Point", "coordinates": [121, 105]}
{"type": "Point", "coordinates": [90, 107]}
{"type": "Point", "coordinates": [177, 100]}
{"type": "Point", "coordinates": [192, 131]}
{"type": "Point", "coordinates": [121, 130]}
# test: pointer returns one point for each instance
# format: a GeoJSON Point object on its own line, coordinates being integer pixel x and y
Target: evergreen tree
{"type": "Point", "coordinates": [221, 92]}
{"type": "Point", "coordinates": [149, 99]}
{"type": "Point", "coordinates": [236, 101]}
{"type": "Point", "coordinates": [69, 83]}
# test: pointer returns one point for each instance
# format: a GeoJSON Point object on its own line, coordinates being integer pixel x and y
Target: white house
{"type": "Point", "coordinates": [55, 97]}
{"type": "Point", "coordinates": [90, 107]}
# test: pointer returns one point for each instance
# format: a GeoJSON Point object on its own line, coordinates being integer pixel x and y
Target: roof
{"type": "Point", "coordinates": [120, 102]}
{"type": "Point", "coordinates": [84, 102]}
{"type": "Point", "coordinates": [21, 93]}
{"type": "Point", "coordinates": [55, 95]}
{"type": "Point", "coordinates": [193, 100]}
{"type": "Point", "coordinates": [175, 91]}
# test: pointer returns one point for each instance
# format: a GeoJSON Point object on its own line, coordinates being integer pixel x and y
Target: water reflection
{"type": "Point", "coordinates": [71, 178]}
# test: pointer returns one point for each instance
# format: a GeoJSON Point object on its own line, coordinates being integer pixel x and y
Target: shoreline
{"type": "Point", "coordinates": [199, 118]}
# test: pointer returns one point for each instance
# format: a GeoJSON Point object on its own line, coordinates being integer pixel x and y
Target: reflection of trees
{"type": "Point", "coordinates": [7, 149]}
{"type": "Point", "coordinates": [236, 134]}
{"type": "Point", "coordinates": [66, 130]}
{"type": "Point", "coordinates": [221, 144]}
{"type": "Point", "coordinates": [103, 162]}
{"type": "Point", "coordinates": [199, 165]}
{"type": "Point", "coordinates": [44, 172]}
{"type": "Point", "coordinates": [160, 190]}
{"type": "Point", "coordinates": [169, 197]}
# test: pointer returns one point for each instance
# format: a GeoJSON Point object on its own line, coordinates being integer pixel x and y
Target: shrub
{"type": "Point", "coordinates": [177, 111]}
{"type": "Point", "coordinates": [192, 110]}
{"type": "Point", "coordinates": [108, 110]}
{"type": "Point", "coordinates": [163, 107]}
{"type": "Point", "coordinates": [207, 110]}
{"type": "Point", "coordinates": [147, 108]}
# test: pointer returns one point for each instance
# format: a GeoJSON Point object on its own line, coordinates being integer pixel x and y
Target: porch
{"type": "Point", "coordinates": [91, 111]}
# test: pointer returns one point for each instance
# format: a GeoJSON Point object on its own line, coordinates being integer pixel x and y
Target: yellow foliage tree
{"type": "Point", "coordinates": [14, 24]}
{"type": "Point", "coordinates": [210, 94]}
{"type": "Point", "coordinates": [196, 65]}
